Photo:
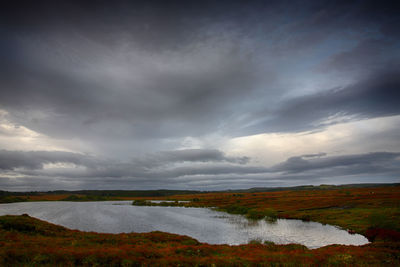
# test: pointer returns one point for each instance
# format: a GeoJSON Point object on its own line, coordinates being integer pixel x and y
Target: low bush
{"type": "Point", "coordinates": [268, 214]}
{"type": "Point", "coordinates": [236, 209]}
{"type": "Point", "coordinates": [141, 202]}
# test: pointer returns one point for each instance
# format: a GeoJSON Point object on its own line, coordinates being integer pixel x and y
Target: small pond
{"type": "Point", "coordinates": [203, 224]}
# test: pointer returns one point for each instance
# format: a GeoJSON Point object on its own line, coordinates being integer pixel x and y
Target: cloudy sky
{"type": "Point", "coordinates": [202, 95]}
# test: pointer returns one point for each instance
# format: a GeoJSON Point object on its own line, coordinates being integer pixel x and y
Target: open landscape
{"type": "Point", "coordinates": [370, 211]}
{"type": "Point", "coordinates": [200, 133]}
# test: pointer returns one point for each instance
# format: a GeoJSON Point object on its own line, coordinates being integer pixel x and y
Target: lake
{"type": "Point", "coordinates": [203, 224]}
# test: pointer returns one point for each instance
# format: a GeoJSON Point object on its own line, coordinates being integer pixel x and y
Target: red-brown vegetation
{"type": "Point", "coordinates": [374, 212]}
{"type": "Point", "coordinates": [356, 209]}
{"type": "Point", "coordinates": [26, 241]}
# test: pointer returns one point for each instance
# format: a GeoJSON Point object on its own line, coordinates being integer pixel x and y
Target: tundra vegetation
{"type": "Point", "coordinates": [373, 212]}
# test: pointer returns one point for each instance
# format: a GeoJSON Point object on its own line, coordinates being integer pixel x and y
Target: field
{"type": "Point", "coordinates": [372, 211]}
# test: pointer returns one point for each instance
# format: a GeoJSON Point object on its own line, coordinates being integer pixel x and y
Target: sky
{"type": "Point", "coordinates": [200, 95]}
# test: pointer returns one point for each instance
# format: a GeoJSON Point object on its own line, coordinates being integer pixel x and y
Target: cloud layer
{"type": "Point", "coordinates": [193, 167]}
{"type": "Point", "coordinates": [129, 93]}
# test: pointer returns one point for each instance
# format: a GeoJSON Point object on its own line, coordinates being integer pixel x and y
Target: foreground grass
{"type": "Point", "coordinates": [26, 241]}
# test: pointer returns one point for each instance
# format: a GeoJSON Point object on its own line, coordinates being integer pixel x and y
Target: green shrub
{"type": "Point", "coordinates": [271, 213]}
{"type": "Point", "coordinates": [268, 214]}
{"type": "Point", "coordinates": [140, 202]}
{"type": "Point", "coordinates": [237, 209]}
{"type": "Point", "coordinates": [255, 214]}
{"type": "Point", "coordinates": [255, 241]}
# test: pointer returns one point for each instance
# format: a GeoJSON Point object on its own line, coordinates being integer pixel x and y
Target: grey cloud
{"type": "Point", "coordinates": [10, 160]}
{"type": "Point", "coordinates": [377, 162]}
{"type": "Point", "coordinates": [117, 76]}
{"type": "Point", "coordinates": [210, 170]}
{"type": "Point", "coordinates": [374, 97]}
{"type": "Point", "coordinates": [366, 58]}
{"type": "Point", "coordinates": [196, 171]}
{"type": "Point", "coordinates": [363, 162]}
{"type": "Point", "coordinates": [318, 155]}
{"type": "Point", "coordinates": [34, 160]}
{"type": "Point", "coordinates": [146, 101]}
{"type": "Point", "coordinates": [199, 155]}
{"type": "Point", "coordinates": [128, 79]}
{"type": "Point", "coordinates": [136, 172]}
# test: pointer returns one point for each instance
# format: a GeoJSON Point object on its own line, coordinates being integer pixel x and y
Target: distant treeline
{"type": "Point", "coordinates": [167, 192]}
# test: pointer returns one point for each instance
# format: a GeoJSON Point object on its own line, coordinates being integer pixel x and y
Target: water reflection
{"type": "Point", "coordinates": [202, 224]}
{"type": "Point", "coordinates": [242, 222]}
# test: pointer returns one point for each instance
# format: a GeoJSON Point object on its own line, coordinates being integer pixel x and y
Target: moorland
{"type": "Point", "coordinates": [370, 210]}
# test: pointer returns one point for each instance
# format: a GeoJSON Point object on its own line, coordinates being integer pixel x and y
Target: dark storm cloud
{"type": "Point", "coordinates": [64, 60]}
{"type": "Point", "coordinates": [115, 70]}
{"type": "Point", "coordinates": [150, 24]}
{"type": "Point", "coordinates": [366, 58]}
{"type": "Point", "coordinates": [161, 102]}
{"type": "Point", "coordinates": [128, 78]}
{"type": "Point", "coordinates": [376, 96]}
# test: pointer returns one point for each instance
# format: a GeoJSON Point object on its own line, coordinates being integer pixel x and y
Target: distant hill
{"type": "Point", "coordinates": [309, 187]}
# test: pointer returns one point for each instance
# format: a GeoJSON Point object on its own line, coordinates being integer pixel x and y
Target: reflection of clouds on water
{"type": "Point", "coordinates": [242, 222]}
{"type": "Point", "coordinates": [205, 225]}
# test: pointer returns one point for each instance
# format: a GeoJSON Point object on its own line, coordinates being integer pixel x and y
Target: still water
{"type": "Point", "coordinates": [203, 224]}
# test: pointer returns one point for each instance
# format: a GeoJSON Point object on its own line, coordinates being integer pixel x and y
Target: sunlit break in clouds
{"type": "Point", "coordinates": [203, 95]}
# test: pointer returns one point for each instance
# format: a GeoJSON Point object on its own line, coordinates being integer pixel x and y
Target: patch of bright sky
{"type": "Point", "coordinates": [344, 138]}
{"type": "Point", "coordinates": [18, 137]}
